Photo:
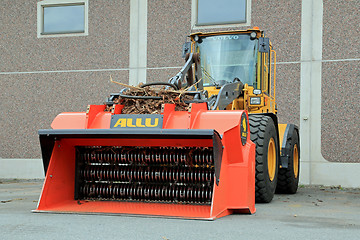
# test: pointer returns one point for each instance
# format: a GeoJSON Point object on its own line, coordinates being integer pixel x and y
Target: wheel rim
{"type": "Point", "coordinates": [296, 161]}
{"type": "Point", "coordinates": [271, 159]}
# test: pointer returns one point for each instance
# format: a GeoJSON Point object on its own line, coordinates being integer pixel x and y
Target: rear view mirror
{"type": "Point", "coordinates": [264, 45]}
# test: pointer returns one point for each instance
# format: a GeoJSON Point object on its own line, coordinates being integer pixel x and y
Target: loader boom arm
{"type": "Point", "coordinates": [178, 79]}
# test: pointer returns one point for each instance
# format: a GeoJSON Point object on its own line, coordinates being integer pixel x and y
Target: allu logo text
{"type": "Point", "coordinates": [244, 132]}
{"type": "Point", "coordinates": [138, 122]}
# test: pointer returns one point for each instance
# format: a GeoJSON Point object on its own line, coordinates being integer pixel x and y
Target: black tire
{"type": "Point", "coordinates": [262, 129]}
{"type": "Point", "coordinates": [288, 180]}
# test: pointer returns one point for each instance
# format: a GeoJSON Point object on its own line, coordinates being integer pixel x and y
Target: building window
{"type": "Point", "coordinates": [62, 18]}
{"type": "Point", "coordinates": [224, 12]}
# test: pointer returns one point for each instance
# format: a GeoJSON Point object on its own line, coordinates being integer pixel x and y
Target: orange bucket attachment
{"type": "Point", "coordinates": [197, 165]}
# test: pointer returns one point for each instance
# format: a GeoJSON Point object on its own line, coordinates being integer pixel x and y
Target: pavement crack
{"type": "Point", "coordinates": [11, 200]}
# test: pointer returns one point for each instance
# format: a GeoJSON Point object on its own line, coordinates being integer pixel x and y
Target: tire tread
{"type": "Point", "coordinates": [258, 125]}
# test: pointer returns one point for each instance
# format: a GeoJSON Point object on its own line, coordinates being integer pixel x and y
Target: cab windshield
{"type": "Point", "coordinates": [227, 57]}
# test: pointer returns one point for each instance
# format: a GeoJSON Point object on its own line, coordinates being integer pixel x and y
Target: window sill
{"type": "Point", "coordinates": [232, 25]}
{"type": "Point", "coordinates": [55, 35]}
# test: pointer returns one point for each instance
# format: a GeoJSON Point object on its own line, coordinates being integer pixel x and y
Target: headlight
{"type": "Point", "coordinates": [256, 91]}
{"type": "Point", "coordinates": [253, 35]}
{"type": "Point", "coordinates": [197, 39]}
{"type": "Point", "coordinates": [255, 101]}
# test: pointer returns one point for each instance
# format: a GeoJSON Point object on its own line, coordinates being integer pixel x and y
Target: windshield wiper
{"type": "Point", "coordinates": [210, 77]}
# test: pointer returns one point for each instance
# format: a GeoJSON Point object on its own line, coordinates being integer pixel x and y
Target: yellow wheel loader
{"type": "Point", "coordinates": [217, 156]}
{"type": "Point", "coordinates": [238, 71]}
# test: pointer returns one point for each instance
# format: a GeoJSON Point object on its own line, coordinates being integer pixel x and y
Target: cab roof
{"type": "Point", "coordinates": [255, 29]}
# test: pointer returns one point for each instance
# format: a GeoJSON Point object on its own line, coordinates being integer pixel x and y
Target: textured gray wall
{"type": "Point", "coordinates": [169, 22]}
{"type": "Point", "coordinates": [105, 47]}
{"type": "Point", "coordinates": [340, 113]}
{"type": "Point", "coordinates": [30, 101]}
{"type": "Point", "coordinates": [340, 120]}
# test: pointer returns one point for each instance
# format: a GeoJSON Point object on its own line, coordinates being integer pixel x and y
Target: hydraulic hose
{"type": "Point", "coordinates": [159, 84]}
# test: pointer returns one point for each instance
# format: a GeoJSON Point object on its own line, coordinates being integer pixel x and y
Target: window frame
{"type": "Point", "coordinates": [54, 3]}
{"type": "Point", "coordinates": [194, 15]}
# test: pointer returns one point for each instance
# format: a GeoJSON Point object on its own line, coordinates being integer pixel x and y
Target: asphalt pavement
{"type": "Point", "coordinates": [313, 213]}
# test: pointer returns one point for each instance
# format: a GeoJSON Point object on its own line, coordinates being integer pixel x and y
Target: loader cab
{"type": "Point", "coordinates": [244, 55]}
{"type": "Point", "coordinates": [226, 58]}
